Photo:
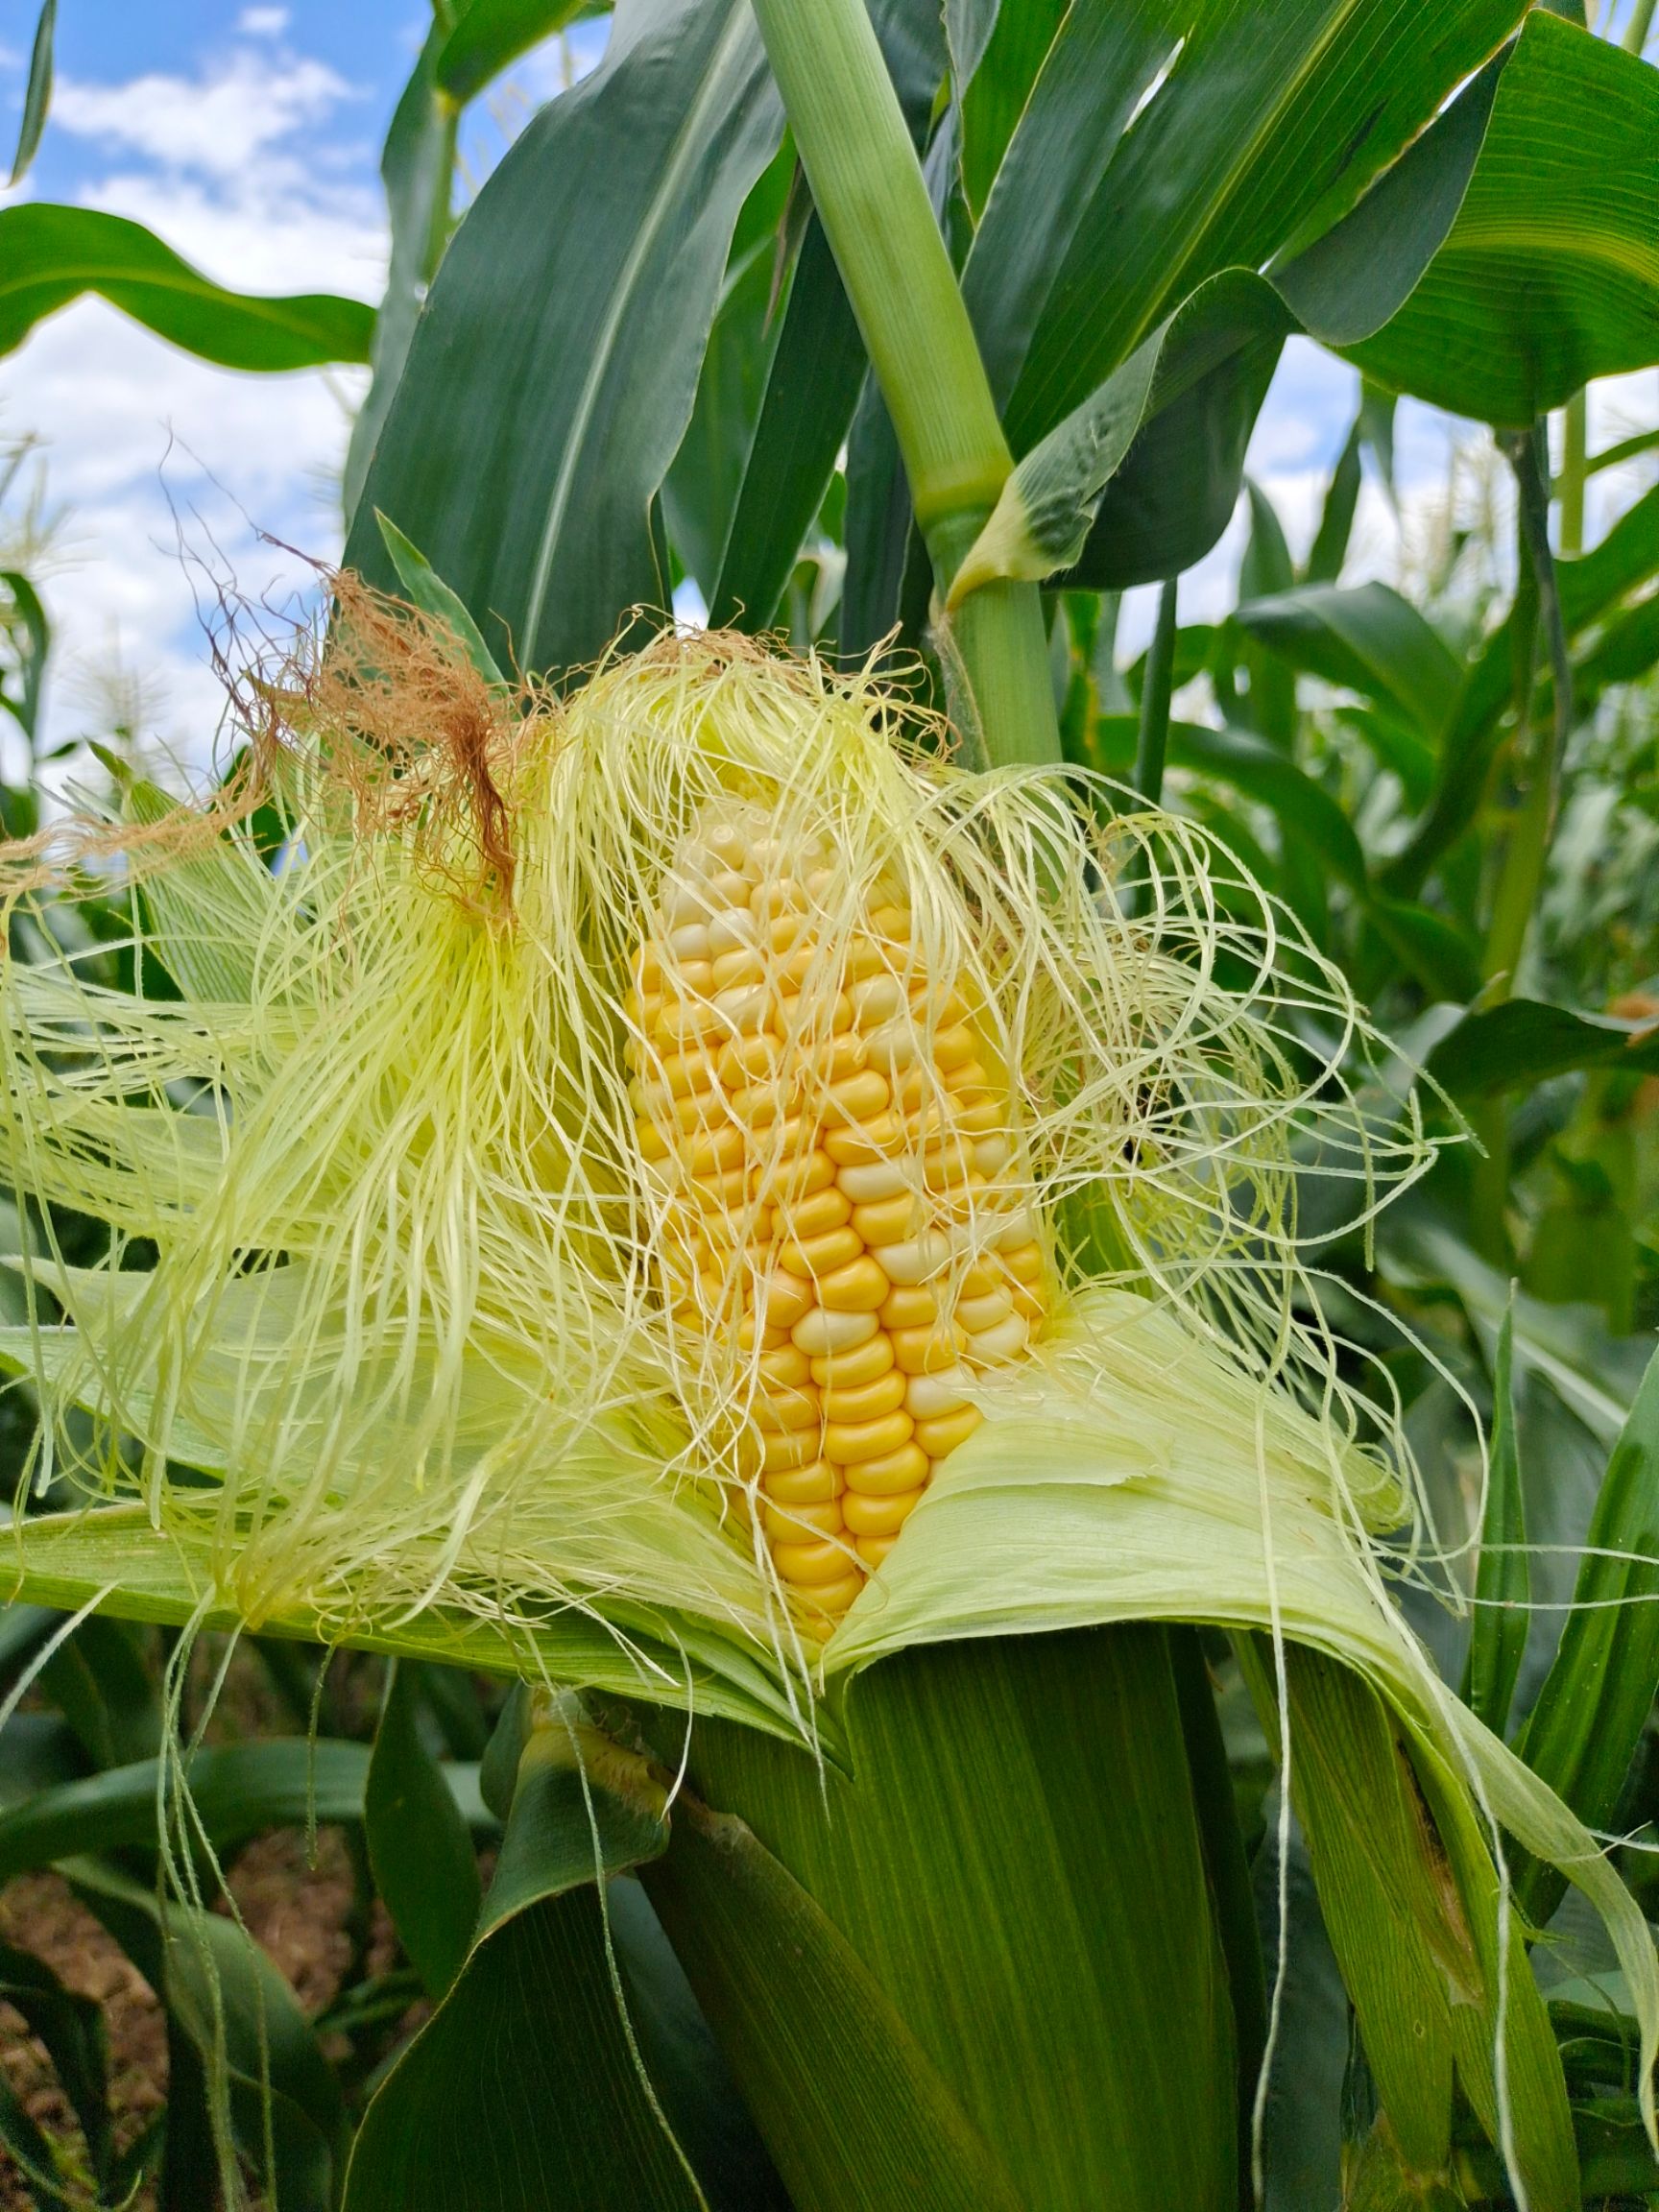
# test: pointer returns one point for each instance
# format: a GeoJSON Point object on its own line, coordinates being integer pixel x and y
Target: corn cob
{"type": "Point", "coordinates": [827, 1135]}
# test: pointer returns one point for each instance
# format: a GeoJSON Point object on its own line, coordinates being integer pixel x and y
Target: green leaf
{"type": "Point", "coordinates": [50, 255]}
{"type": "Point", "coordinates": [32, 641]}
{"type": "Point", "coordinates": [1503, 1580]}
{"type": "Point", "coordinates": [419, 1844]}
{"type": "Point", "coordinates": [853, 2111]}
{"type": "Point", "coordinates": [1303, 807]}
{"type": "Point", "coordinates": [983, 1868]}
{"type": "Point", "coordinates": [1208, 366]}
{"type": "Point", "coordinates": [1330, 548]}
{"type": "Point", "coordinates": [1590, 588]}
{"type": "Point", "coordinates": [1551, 274]}
{"type": "Point", "coordinates": [38, 93]}
{"type": "Point", "coordinates": [523, 2089]}
{"type": "Point", "coordinates": [99, 1683]}
{"type": "Point", "coordinates": [1269, 126]}
{"type": "Point", "coordinates": [433, 596]}
{"type": "Point", "coordinates": [1001, 86]}
{"type": "Point", "coordinates": [1369, 641]}
{"type": "Point", "coordinates": [236, 1789]}
{"type": "Point", "coordinates": [553, 371]}
{"type": "Point", "coordinates": [489, 36]}
{"type": "Point", "coordinates": [1589, 1716]}
{"type": "Point", "coordinates": [417, 168]}
{"type": "Point", "coordinates": [1523, 1041]}
{"type": "Point", "coordinates": [243, 2027]}
{"type": "Point", "coordinates": [71, 2027]}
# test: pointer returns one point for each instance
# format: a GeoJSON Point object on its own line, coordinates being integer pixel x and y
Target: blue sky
{"type": "Point", "coordinates": [248, 136]}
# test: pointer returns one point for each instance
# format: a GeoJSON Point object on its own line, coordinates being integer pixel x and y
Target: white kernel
{"type": "Point", "coordinates": [689, 941]}
{"type": "Point", "coordinates": [742, 1009]}
{"type": "Point", "coordinates": [977, 1315]}
{"type": "Point", "coordinates": [731, 930]}
{"type": "Point", "coordinates": [992, 1154]}
{"type": "Point", "coordinates": [929, 1396]}
{"type": "Point", "coordinates": [892, 1047]}
{"type": "Point", "coordinates": [917, 1259]}
{"type": "Point", "coordinates": [1006, 1341]}
{"type": "Point", "coordinates": [1008, 1233]}
{"type": "Point", "coordinates": [874, 1180]}
{"type": "Point", "coordinates": [820, 1331]}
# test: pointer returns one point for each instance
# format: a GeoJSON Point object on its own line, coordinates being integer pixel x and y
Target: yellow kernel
{"type": "Point", "coordinates": [784, 932]}
{"type": "Point", "coordinates": [860, 1361]}
{"type": "Point", "coordinates": [796, 1523]}
{"type": "Point", "coordinates": [916, 1259]}
{"type": "Point", "coordinates": [948, 1166]}
{"type": "Point", "coordinates": [807, 1017]}
{"type": "Point", "coordinates": [782, 1410]}
{"type": "Point", "coordinates": [785, 1369]}
{"type": "Point", "coordinates": [743, 965]}
{"type": "Point", "coordinates": [913, 1088]}
{"type": "Point", "coordinates": [1026, 1302]}
{"type": "Point", "coordinates": [966, 1079]}
{"type": "Point", "coordinates": [992, 1154]}
{"type": "Point", "coordinates": [888, 1219]}
{"type": "Point", "coordinates": [865, 1401]}
{"type": "Point", "coordinates": [823, 1604]}
{"type": "Point", "coordinates": [975, 1315]}
{"type": "Point", "coordinates": [875, 1000]}
{"type": "Point", "coordinates": [813, 1485]}
{"type": "Point", "coordinates": [733, 931]}
{"type": "Point", "coordinates": [858, 1098]}
{"type": "Point", "coordinates": [955, 1047]}
{"type": "Point", "coordinates": [928, 1350]}
{"type": "Point", "coordinates": [781, 895]}
{"type": "Point", "coordinates": [910, 1307]}
{"type": "Point", "coordinates": [807, 1564]}
{"type": "Point", "coordinates": [728, 1191]}
{"type": "Point", "coordinates": [892, 923]}
{"type": "Point", "coordinates": [939, 1438]}
{"type": "Point", "coordinates": [865, 958]}
{"type": "Point", "coordinates": [783, 1448]}
{"type": "Point", "coordinates": [741, 1009]}
{"type": "Point", "coordinates": [979, 1281]}
{"type": "Point", "coordinates": [653, 1145]}
{"type": "Point", "coordinates": [990, 1347]}
{"type": "Point", "coordinates": [821, 1256]}
{"type": "Point", "coordinates": [878, 1516]}
{"type": "Point", "coordinates": [811, 1216]}
{"type": "Point", "coordinates": [929, 1397]}
{"type": "Point", "coordinates": [647, 969]}
{"type": "Point", "coordinates": [876, 1180]}
{"type": "Point", "coordinates": [846, 1442]}
{"type": "Point", "coordinates": [893, 1050]}
{"type": "Point", "coordinates": [858, 1288]}
{"type": "Point", "coordinates": [751, 1329]}
{"type": "Point", "coordinates": [783, 1298]}
{"type": "Point", "coordinates": [800, 1175]}
{"type": "Point", "coordinates": [1024, 1262]}
{"type": "Point", "coordinates": [749, 1060]}
{"type": "Point", "coordinates": [758, 1105]}
{"type": "Point", "coordinates": [874, 1551]}
{"type": "Point", "coordinates": [895, 1472]}
{"type": "Point", "coordinates": [716, 1151]}
{"type": "Point", "coordinates": [824, 1333]}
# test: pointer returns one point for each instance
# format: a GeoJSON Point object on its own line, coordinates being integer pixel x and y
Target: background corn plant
{"type": "Point", "coordinates": [634, 362]}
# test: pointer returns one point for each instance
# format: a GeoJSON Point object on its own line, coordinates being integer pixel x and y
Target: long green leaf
{"type": "Point", "coordinates": [1551, 274]}
{"type": "Point", "coordinates": [1368, 639]}
{"type": "Point", "coordinates": [1589, 1716]}
{"type": "Point", "coordinates": [267, 2062]}
{"type": "Point", "coordinates": [1523, 1042]}
{"type": "Point", "coordinates": [37, 93]}
{"type": "Point", "coordinates": [50, 255]}
{"type": "Point", "coordinates": [433, 596]}
{"type": "Point", "coordinates": [489, 36]}
{"type": "Point", "coordinates": [523, 2090]}
{"type": "Point", "coordinates": [853, 2111]}
{"type": "Point", "coordinates": [419, 1844]}
{"type": "Point", "coordinates": [71, 2027]}
{"type": "Point", "coordinates": [1017, 1842]}
{"type": "Point", "coordinates": [553, 371]}
{"type": "Point", "coordinates": [1268, 127]}
{"type": "Point", "coordinates": [1503, 1580]}
{"type": "Point", "coordinates": [1205, 368]}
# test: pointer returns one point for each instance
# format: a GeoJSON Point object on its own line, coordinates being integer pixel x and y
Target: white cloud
{"type": "Point", "coordinates": [170, 467]}
{"type": "Point", "coordinates": [262, 22]}
{"type": "Point", "coordinates": [218, 124]}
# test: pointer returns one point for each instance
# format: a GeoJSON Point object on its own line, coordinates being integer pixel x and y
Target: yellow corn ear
{"type": "Point", "coordinates": [825, 1136]}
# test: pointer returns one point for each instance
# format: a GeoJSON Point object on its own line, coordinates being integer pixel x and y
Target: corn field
{"type": "Point", "coordinates": [827, 1363]}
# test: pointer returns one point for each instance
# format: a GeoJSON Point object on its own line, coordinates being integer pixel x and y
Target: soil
{"type": "Point", "coordinates": [301, 1914]}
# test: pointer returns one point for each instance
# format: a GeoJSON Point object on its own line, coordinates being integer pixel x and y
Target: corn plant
{"type": "Point", "coordinates": [785, 1209]}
